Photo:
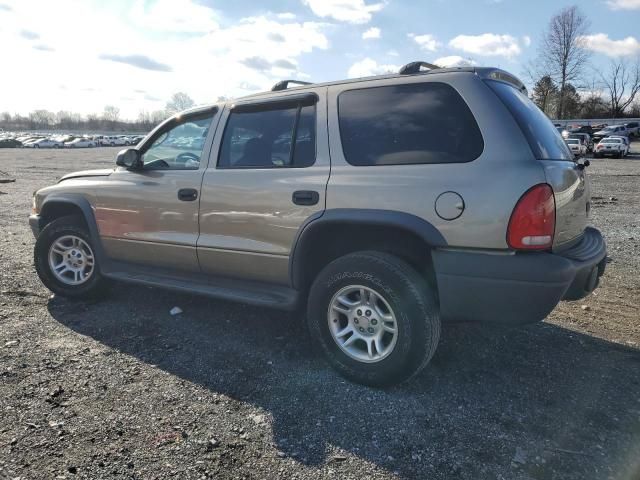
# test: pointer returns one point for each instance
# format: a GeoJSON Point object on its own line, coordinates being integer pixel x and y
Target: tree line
{"type": "Point", "coordinates": [566, 84]}
{"type": "Point", "coordinates": [109, 120]}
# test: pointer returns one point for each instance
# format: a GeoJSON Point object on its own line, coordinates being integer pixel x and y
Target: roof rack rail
{"type": "Point", "coordinates": [414, 67]}
{"type": "Point", "coordinates": [284, 84]}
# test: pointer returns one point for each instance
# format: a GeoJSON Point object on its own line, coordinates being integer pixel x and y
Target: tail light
{"type": "Point", "coordinates": [533, 221]}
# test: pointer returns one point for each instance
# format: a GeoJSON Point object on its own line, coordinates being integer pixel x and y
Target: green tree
{"type": "Point", "coordinates": [545, 94]}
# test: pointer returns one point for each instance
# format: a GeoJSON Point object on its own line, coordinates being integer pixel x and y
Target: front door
{"type": "Point", "coordinates": [150, 216]}
{"type": "Point", "coordinates": [269, 177]}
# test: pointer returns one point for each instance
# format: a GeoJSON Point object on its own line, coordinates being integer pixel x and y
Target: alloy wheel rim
{"type": "Point", "coordinates": [71, 260]}
{"type": "Point", "coordinates": [362, 324]}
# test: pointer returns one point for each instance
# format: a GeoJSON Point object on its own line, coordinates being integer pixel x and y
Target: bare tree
{"type": "Point", "coordinates": [622, 81]}
{"type": "Point", "coordinates": [179, 101]}
{"type": "Point", "coordinates": [563, 55]}
{"type": "Point", "coordinates": [111, 113]}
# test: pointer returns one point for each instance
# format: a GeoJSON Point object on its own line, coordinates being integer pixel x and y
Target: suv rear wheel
{"type": "Point", "coordinates": [65, 259]}
{"type": "Point", "coordinates": [374, 317]}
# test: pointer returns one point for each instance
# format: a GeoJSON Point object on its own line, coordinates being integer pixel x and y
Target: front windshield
{"type": "Point", "coordinates": [573, 142]}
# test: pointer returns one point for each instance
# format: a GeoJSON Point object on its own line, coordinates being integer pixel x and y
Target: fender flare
{"type": "Point", "coordinates": [357, 216]}
{"type": "Point", "coordinates": [79, 201]}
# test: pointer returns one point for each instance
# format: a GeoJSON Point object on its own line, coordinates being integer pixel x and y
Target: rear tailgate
{"type": "Point", "coordinates": [572, 194]}
{"type": "Point", "coordinates": [568, 180]}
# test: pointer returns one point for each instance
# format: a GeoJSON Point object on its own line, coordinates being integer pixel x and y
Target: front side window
{"type": "Point", "coordinates": [180, 146]}
{"type": "Point", "coordinates": [263, 138]}
{"type": "Point", "coordinates": [407, 124]}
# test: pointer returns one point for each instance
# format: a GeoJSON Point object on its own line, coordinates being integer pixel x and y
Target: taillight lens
{"type": "Point", "coordinates": [533, 221]}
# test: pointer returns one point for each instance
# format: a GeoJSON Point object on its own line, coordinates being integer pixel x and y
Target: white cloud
{"type": "Point", "coordinates": [487, 44]}
{"type": "Point", "coordinates": [393, 53]}
{"type": "Point", "coordinates": [624, 4]}
{"type": "Point", "coordinates": [368, 67]}
{"type": "Point", "coordinates": [286, 16]}
{"type": "Point", "coordinates": [373, 32]}
{"type": "Point", "coordinates": [601, 43]}
{"type": "Point", "coordinates": [454, 61]}
{"type": "Point", "coordinates": [526, 40]}
{"type": "Point", "coordinates": [177, 16]}
{"type": "Point", "coordinates": [426, 42]}
{"type": "Point", "coordinates": [351, 11]}
{"type": "Point", "coordinates": [117, 59]}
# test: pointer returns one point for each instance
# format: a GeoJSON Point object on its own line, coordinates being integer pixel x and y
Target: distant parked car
{"type": "Point", "coordinates": [80, 143]}
{"type": "Point", "coordinates": [617, 147]}
{"type": "Point", "coordinates": [576, 146]}
{"type": "Point", "coordinates": [10, 143]}
{"type": "Point", "coordinates": [617, 130]}
{"type": "Point", "coordinates": [113, 141]}
{"type": "Point", "coordinates": [582, 129]}
{"type": "Point", "coordinates": [633, 129]}
{"type": "Point", "coordinates": [45, 143]}
{"type": "Point", "coordinates": [585, 138]}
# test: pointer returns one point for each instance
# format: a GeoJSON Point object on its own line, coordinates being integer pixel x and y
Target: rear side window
{"type": "Point", "coordinates": [543, 137]}
{"type": "Point", "coordinates": [264, 138]}
{"type": "Point", "coordinates": [407, 124]}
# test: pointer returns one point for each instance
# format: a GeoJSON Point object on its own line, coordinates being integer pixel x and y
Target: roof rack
{"type": "Point", "coordinates": [284, 84]}
{"type": "Point", "coordinates": [414, 67]}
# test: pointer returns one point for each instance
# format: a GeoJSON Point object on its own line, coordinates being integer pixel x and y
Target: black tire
{"type": "Point", "coordinates": [410, 298]}
{"type": "Point", "coordinates": [69, 225]}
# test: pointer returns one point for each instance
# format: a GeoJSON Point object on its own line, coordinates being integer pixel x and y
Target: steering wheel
{"type": "Point", "coordinates": [184, 157]}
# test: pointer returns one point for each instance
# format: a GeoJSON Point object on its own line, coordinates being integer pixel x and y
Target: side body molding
{"type": "Point", "coordinates": [79, 201]}
{"type": "Point", "coordinates": [337, 217]}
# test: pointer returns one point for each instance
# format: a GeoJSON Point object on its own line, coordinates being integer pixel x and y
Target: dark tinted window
{"type": "Point", "coordinates": [263, 139]}
{"type": "Point", "coordinates": [407, 124]}
{"type": "Point", "coordinates": [543, 137]}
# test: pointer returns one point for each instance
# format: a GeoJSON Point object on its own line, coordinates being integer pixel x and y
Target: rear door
{"type": "Point", "coordinates": [268, 178]}
{"type": "Point", "coordinates": [569, 180]}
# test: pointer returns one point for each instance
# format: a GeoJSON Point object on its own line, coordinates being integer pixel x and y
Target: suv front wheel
{"type": "Point", "coordinates": [65, 259]}
{"type": "Point", "coordinates": [374, 317]}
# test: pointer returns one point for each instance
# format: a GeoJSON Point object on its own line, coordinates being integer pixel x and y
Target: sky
{"type": "Point", "coordinates": [80, 55]}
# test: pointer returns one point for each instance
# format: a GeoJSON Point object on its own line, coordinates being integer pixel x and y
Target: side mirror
{"type": "Point", "coordinates": [129, 158]}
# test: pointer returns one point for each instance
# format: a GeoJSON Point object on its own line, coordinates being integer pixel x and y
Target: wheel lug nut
{"type": "Point", "coordinates": [370, 330]}
{"type": "Point", "coordinates": [361, 329]}
{"type": "Point", "coordinates": [374, 321]}
{"type": "Point", "coordinates": [368, 313]}
{"type": "Point", "coordinates": [355, 320]}
{"type": "Point", "coordinates": [359, 312]}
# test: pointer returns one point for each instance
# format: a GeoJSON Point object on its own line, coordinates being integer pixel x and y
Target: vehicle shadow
{"type": "Point", "coordinates": [542, 400]}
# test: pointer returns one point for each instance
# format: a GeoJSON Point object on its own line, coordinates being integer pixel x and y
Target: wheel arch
{"type": "Point", "coordinates": [317, 244]}
{"type": "Point", "coordinates": [56, 206]}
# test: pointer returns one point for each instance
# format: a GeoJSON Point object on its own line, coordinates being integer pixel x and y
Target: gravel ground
{"type": "Point", "coordinates": [121, 389]}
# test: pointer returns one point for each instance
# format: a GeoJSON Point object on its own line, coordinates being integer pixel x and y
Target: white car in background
{"type": "Point", "coordinates": [80, 143]}
{"type": "Point", "coordinates": [577, 147]}
{"type": "Point", "coordinates": [44, 143]}
{"type": "Point", "coordinates": [113, 141]}
{"type": "Point", "coordinates": [617, 147]}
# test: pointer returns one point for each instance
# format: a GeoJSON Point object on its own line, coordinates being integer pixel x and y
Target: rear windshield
{"type": "Point", "coordinates": [544, 139]}
{"type": "Point", "coordinates": [573, 142]}
{"type": "Point", "coordinates": [611, 140]}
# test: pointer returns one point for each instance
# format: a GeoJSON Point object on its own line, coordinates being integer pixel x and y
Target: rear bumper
{"type": "Point", "coordinates": [518, 288]}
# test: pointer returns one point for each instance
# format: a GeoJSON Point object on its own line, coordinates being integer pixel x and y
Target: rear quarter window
{"type": "Point", "coordinates": [544, 138]}
{"type": "Point", "coordinates": [418, 123]}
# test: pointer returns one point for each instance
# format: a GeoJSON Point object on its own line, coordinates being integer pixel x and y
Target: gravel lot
{"type": "Point", "coordinates": [121, 389]}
